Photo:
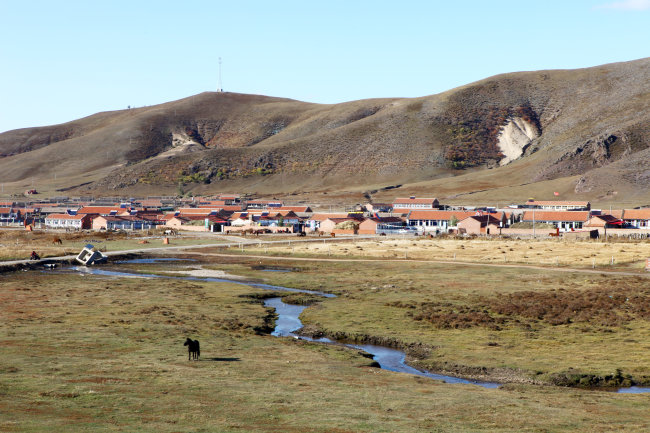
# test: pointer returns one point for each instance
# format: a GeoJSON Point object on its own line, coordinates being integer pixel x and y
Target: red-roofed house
{"type": "Point", "coordinates": [314, 221]}
{"type": "Point", "coordinates": [212, 203]}
{"type": "Point", "coordinates": [10, 215]}
{"type": "Point", "coordinates": [215, 223]}
{"type": "Point", "coordinates": [230, 199]}
{"type": "Point", "coordinates": [637, 218]}
{"type": "Point", "coordinates": [263, 204]}
{"type": "Point", "coordinates": [435, 220]}
{"type": "Point", "coordinates": [296, 209]}
{"type": "Point", "coordinates": [414, 203]}
{"type": "Point", "coordinates": [189, 211]}
{"type": "Point", "coordinates": [558, 205]}
{"type": "Point", "coordinates": [604, 221]}
{"type": "Point", "coordinates": [564, 220]}
{"type": "Point", "coordinates": [67, 221]}
{"type": "Point", "coordinates": [102, 210]}
{"type": "Point", "coordinates": [329, 224]}
{"type": "Point", "coordinates": [121, 222]}
{"type": "Point", "coordinates": [479, 224]}
{"type": "Point", "coordinates": [372, 226]}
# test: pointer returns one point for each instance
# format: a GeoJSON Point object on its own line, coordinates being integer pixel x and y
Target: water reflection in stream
{"type": "Point", "coordinates": [289, 321]}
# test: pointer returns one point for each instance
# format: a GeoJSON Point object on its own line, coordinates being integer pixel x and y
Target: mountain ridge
{"type": "Point", "coordinates": [592, 143]}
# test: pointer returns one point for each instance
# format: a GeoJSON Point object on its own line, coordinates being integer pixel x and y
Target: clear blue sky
{"type": "Point", "coordinates": [61, 60]}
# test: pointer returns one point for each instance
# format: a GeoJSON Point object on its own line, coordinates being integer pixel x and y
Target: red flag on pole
{"type": "Point", "coordinates": [556, 193]}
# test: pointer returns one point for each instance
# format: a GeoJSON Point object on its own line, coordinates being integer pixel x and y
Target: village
{"type": "Point", "coordinates": [236, 214]}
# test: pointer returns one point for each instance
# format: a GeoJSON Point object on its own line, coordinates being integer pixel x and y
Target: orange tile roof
{"type": "Point", "coordinates": [65, 216]}
{"type": "Point", "coordinates": [244, 214]}
{"type": "Point", "coordinates": [302, 209]}
{"type": "Point", "coordinates": [263, 201]}
{"type": "Point", "coordinates": [324, 216]}
{"type": "Point", "coordinates": [213, 203]}
{"type": "Point", "coordinates": [344, 219]}
{"type": "Point", "coordinates": [101, 210]}
{"type": "Point", "coordinates": [636, 214]}
{"type": "Point", "coordinates": [618, 213]}
{"type": "Point", "coordinates": [196, 210]}
{"type": "Point", "coordinates": [557, 203]}
{"type": "Point", "coordinates": [485, 219]}
{"type": "Point", "coordinates": [284, 212]}
{"type": "Point", "coordinates": [409, 200]}
{"type": "Point", "coordinates": [543, 215]}
{"type": "Point", "coordinates": [188, 218]}
{"type": "Point", "coordinates": [439, 215]}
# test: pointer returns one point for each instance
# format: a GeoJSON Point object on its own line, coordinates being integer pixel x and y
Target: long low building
{"type": "Point", "coordinates": [637, 218]}
{"type": "Point", "coordinates": [436, 220]}
{"type": "Point", "coordinates": [563, 220]}
{"type": "Point", "coordinates": [67, 221]}
{"type": "Point", "coordinates": [123, 222]}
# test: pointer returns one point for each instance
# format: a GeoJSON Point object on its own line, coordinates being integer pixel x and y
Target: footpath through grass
{"type": "Point", "coordinates": [85, 353]}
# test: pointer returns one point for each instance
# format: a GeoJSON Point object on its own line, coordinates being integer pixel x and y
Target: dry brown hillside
{"type": "Point", "coordinates": [583, 133]}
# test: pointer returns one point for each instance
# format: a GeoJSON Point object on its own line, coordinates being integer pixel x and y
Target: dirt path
{"type": "Point", "coordinates": [234, 242]}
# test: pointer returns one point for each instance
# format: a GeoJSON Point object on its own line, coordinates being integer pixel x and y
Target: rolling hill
{"type": "Point", "coordinates": [583, 133]}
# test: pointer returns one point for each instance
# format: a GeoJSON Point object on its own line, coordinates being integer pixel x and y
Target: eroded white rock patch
{"type": "Point", "coordinates": [514, 137]}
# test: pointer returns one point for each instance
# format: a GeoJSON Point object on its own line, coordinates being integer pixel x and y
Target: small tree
{"type": "Point", "coordinates": [453, 221]}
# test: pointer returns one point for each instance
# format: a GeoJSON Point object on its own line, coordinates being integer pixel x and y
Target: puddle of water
{"type": "Point", "coordinates": [633, 390]}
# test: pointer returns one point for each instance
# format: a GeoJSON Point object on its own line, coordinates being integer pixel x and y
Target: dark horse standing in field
{"type": "Point", "coordinates": [193, 349]}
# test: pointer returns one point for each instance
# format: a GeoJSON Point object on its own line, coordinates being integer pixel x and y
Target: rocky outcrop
{"type": "Point", "coordinates": [514, 137]}
{"type": "Point", "coordinates": [596, 152]}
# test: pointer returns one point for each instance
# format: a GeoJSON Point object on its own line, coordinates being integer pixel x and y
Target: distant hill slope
{"type": "Point", "coordinates": [581, 132]}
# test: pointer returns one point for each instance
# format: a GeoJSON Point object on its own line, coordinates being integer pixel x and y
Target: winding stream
{"type": "Point", "coordinates": [289, 321]}
{"type": "Point", "coordinates": [387, 358]}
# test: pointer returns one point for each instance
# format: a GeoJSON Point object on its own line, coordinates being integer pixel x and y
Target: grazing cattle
{"type": "Point", "coordinates": [57, 241]}
{"type": "Point", "coordinates": [193, 349]}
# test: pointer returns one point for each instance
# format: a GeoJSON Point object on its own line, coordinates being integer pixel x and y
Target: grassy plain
{"type": "Point", "coordinates": [586, 254]}
{"type": "Point", "coordinates": [88, 353]}
{"type": "Point", "coordinates": [486, 322]}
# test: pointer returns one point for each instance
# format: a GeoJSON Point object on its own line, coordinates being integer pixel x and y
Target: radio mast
{"type": "Point", "coordinates": [220, 87]}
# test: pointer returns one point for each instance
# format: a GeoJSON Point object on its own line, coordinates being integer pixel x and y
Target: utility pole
{"type": "Point", "coordinates": [533, 223]}
{"type": "Point", "coordinates": [220, 87]}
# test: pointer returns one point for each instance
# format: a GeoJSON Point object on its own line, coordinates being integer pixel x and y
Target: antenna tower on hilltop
{"type": "Point", "coordinates": [220, 88]}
